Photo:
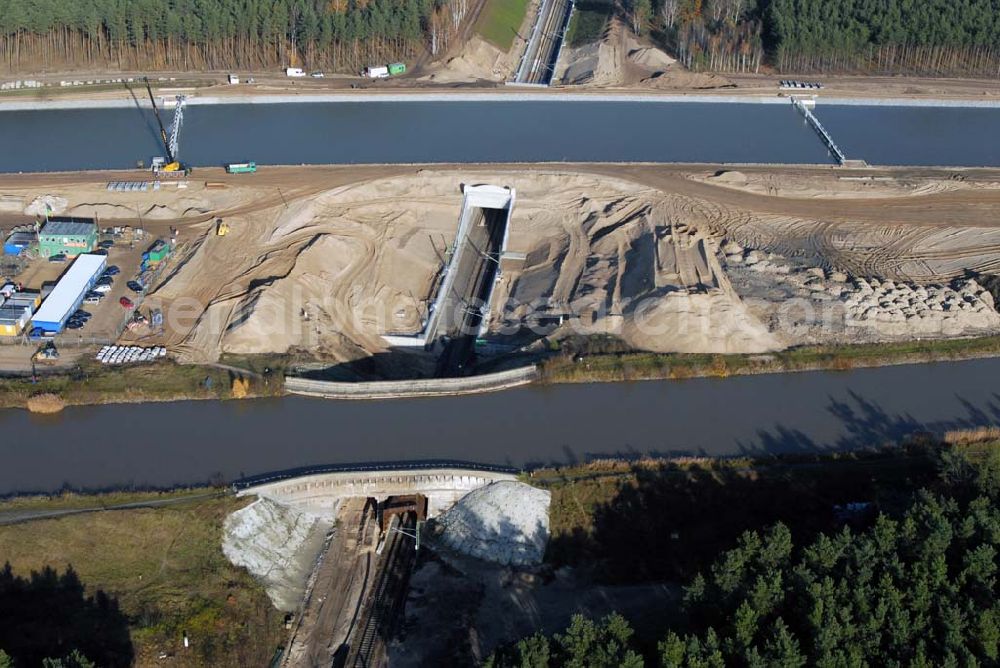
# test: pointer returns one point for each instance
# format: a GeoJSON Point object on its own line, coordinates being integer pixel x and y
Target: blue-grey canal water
{"type": "Point", "coordinates": [886, 135]}
{"type": "Point", "coordinates": [189, 442]}
{"type": "Point", "coordinates": [499, 131]}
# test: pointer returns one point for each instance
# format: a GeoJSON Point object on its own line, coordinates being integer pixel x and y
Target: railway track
{"type": "Point", "coordinates": [538, 63]}
{"type": "Point", "coordinates": [385, 598]}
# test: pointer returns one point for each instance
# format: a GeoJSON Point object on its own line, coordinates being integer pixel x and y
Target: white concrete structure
{"type": "Point", "coordinates": [420, 387]}
{"type": "Point", "coordinates": [474, 197]}
{"type": "Point", "coordinates": [321, 493]}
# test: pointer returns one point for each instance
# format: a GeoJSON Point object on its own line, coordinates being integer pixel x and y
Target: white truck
{"type": "Point", "coordinates": [294, 72]}
{"type": "Point", "coordinates": [381, 72]}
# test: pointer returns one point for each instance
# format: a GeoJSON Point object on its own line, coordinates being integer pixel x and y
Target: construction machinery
{"type": "Point", "coordinates": [241, 167]}
{"type": "Point", "coordinates": [221, 227]}
{"type": "Point", "coordinates": [172, 164]}
{"type": "Point", "coordinates": [47, 354]}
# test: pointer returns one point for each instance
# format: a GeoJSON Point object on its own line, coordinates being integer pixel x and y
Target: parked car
{"type": "Point", "coordinates": [126, 303]}
{"type": "Point", "coordinates": [108, 243]}
{"type": "Point", "coordinates": [113, 270]}
{"type": "Point", "coordinates": [93, 299]}
{"type": "Point", "coordinates": [134, 286]}
{"type": "Point", "coordinates": [80, 313]}
{"type": "Point", "coordinates": [74, 324]}
{"type": "Point", "coordinates": [317, 75]}
{"type": "Point", "coordinates": [58, 257]}
{"type": "Point", "coordinates": [102, 287]}
{"type": "Point", "coordinates": [39, 333]}
{"type": "Point", "coordinates": [99, 251]}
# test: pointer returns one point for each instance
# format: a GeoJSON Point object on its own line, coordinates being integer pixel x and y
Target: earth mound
{"type": "Point", "coordinates": [505, 522]}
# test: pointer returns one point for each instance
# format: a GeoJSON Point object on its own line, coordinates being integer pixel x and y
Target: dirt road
{"type": "Point", "coordinates": [338, 584]}
{"type": "Point", "coordinates": [275, 186]}
{"type": "Point", "coordinates": [275, 83]}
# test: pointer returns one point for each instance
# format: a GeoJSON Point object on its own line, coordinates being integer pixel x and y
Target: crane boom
{"type": "Point", "coordinates": [175, 127]}
{"type": "Point", "coordinates": [163, 132]}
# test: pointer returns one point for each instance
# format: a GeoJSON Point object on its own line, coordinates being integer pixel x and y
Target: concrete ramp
{"type": "Point", "coordinates": [474, 263]}
{"type": "Point", "coordinates": [460, 310]}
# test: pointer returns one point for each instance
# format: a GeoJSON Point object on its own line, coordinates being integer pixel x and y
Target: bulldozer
{"type": "Point", "coordinates": [221, 227]}
{"type": "Point", "coordinates": [47, 354]}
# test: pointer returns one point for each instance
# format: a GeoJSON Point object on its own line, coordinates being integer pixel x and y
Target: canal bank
{"type": "Point", "coordinates": [184, 443]}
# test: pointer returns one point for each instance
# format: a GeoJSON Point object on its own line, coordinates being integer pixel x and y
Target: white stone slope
{"type": "Point", "coordinates": [506, 522]}
{"type": "Point", "coordinates": [278, 545]}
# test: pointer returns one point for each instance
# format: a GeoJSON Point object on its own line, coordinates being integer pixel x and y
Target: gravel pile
{"type": "Point", "coordinates": [277, 544]}
{"type": "Point", "coordinates": [505, 522]}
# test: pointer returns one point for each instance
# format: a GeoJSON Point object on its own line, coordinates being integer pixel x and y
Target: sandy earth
{"type": "Point", "coordinates": [619, 59]}
{"type": "Point", "coordinates": [325, 261]}
{"type": "Point", "coordinates": [476, 60]}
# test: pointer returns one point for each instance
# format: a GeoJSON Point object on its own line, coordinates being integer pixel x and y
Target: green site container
{"type": "Point", "coordinates": [396, 68]}
{"type": "Point", "coordinates": [241, 167]}
{"type": "Point", "coordinates": [158, 252]}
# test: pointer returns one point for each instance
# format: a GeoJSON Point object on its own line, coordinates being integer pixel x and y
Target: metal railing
{"type": "Point", "coordinates": [820, 130]}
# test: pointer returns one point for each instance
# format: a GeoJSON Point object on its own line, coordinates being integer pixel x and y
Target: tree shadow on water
{"type": "Point", "coordinates": [864, 423]}
{"type": "Point", "coordinates": [48, 615]}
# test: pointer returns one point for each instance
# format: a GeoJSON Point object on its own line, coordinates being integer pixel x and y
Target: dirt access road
{"type": "Point", "coordinates": [333, 599]}
{"type": "Point", "coordinates": [972, 205]}
{"type": "Point", "coordinates": [275, 83]}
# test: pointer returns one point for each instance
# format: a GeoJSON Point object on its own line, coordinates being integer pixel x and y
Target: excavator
{"type": "Point", "coordinates": [172, 164]}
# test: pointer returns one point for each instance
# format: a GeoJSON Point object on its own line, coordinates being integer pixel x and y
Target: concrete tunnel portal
{"type": "Point", "coordinates": [459, 313]}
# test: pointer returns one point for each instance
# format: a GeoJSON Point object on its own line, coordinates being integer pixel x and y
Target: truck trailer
{"type": "Point", "coordinates": [241, 167]}
{"type": "Point", "coordinates": [380, 72]}
{"type": "Point", "coordinates": [385, 71]}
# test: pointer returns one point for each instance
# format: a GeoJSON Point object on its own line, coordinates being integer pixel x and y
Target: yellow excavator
{"type": "Point", "coordinates": [172, 164]}
{"type": "Point", "coordinates": [221, 227]}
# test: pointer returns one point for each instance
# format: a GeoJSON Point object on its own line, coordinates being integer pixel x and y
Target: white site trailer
{"type": "Point", "coordinates": [294, 72]}
{"type": "Point", "coordinates": [68, 294]}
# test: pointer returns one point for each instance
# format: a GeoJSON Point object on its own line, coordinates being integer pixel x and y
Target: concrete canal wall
{"type": "Point", "coordinates": [395, 389]}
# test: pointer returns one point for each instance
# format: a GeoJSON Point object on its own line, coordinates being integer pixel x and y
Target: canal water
{"type": "Point", "coordinates": [191, 442]}
{"type": "Point", "coordinates": [499, 131]}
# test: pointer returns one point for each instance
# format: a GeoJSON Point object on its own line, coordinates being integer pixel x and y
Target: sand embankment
{"type": "Point", "coordinates": [322, 263]}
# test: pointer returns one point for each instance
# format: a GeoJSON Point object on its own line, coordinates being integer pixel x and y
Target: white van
{"type": "Point", "coordinates": [294, 72]}
{"type": "Point", "coordinates": [377, 72]}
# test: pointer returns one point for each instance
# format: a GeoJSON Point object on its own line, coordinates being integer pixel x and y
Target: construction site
{"type": "Point", "coordinates": [336, 551]}
{"type": "Point", "coordinates": [366, 273]}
